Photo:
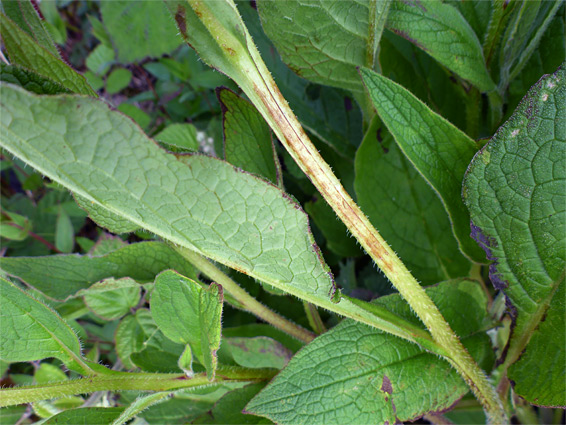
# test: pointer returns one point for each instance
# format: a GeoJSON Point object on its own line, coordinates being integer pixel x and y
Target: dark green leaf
{"type": "Point", "coordinates": [514, 189]}
{"type": "Point", "coordinates": [354, 374]}
{"type": "Point", "coordinates": [86, 416]}
{"type": "Point", "coordinates": [29, 80]}
{"type": "Point", "coordinates": [437, 149]}
{"type": "Point", "coordinates": [247, 137]}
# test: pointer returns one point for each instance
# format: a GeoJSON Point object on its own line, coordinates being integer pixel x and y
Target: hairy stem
{"type": "Point", "coordinates": [119, 381]}
{"type": "Point", "coordinates": [248, 302]}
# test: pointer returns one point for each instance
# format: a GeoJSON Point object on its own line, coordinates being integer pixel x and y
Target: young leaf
{"type": "Point", "coordinates": [140, 261]}
{"type": "Point", "coordinates": [247, 137]}
{"type": "Point", "coordinates": [437, 149]}
{"type": "Point", "coordinates": [443, 33]}
{"type": "Point", "coordinates": [400, 203]}
{"type": "Point", "coordinates": [179, 138]}
{"type": "Point", "coordinates": [23, 13]}
{"type": "Point", "coordinates": [25, 51]}
{"type": "Point", "coordinates": [353, 374]}
{"type": "Point", "coordinates": [514, 189]}
{"type": "Point", "coordinates": [111, 299]}
{"type": "Point", "coordinates": [33, 331]}
{"type": "Point", "coordinates": [325, 41]}
{"type": "Point", "coordinates": [118, 80]}
{"type": "Point", "coordinates": [139, 29]}
{"type": "Point", "coordinates": [139, 405]}
{"type": "Point", "coordinates": [132, 335]}
{"type": "Point", "coordinates": [189, 314]}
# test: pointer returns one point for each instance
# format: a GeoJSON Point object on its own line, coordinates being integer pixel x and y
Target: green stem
{"type": "Point", "coordinates": [120, 381]}
{"type": "Point", "coordinates": [248, 302]}
{"type": "Point", "coordinates": [314, 318]}
{"type": "Point", "coordinates": [255, 79]}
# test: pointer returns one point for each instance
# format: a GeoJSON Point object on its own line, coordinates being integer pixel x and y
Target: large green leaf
{"type": "Point", "coordinates": [441, 31]}
{"type": "Point", "coordinates": [515, 192]}
{"type": "Point", "coordinates": [324, 41]}
{"type": "Point", "coordinates": [139, 29]}
{"type": "Point", "coordinates": [406, 210]}
{"type": "Point", "coordinates": [86, 416]}
{"type": "Point", "coordinates": [247, 137]}
{"type": "Point", "coordinates": [33, 331]}
{"type": "Point", "coordinates": [23, 50]}
{"type": "Point", "coordinates": [62, 276]}
{"type": "Point", "coordinates": [198, 202]}
{"type": "Point", "coordinates": [189, 314]}
{"type": "Point", "coordinates": [353, 374]}
{"type": "Point", "coordinates": [437, 149]}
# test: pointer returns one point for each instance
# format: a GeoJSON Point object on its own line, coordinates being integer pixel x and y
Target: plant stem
{"type": "Point", "coordinates": [255, 79]}
{"type": "Point", "coordinates": [248, 302]}
{"type": "Point", "coordinates": [119, 381]}
{"type": "Point", "coordinates": [314, 318]}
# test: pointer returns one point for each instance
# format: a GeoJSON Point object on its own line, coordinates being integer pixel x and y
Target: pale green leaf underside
{"type": "Point", "coordinates": [201, 203]}
{"type": "Point", "coordinates": [189, 314]}
{"type": "Point", "coordinates": [111, 299]}
{"type": "Point", "coordinates": [388, 186]}
{"type": "Point", "coordinates": [515, 192]}
{"type": "Point", "coordinates": [62, 276]}
{"type": "Point", "coordinates": [104, 218]}
{"type": "Point", "coordinates": [24, 50]}
{"type": "Point", "coordinates": [33, 331]}
{"type": "Point", "coordinates": [437, 149]}
{"type": "Point", "coordinates": [353, 374]}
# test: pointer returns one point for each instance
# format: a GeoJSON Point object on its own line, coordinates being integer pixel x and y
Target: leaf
{"type": "Point", "coordinates": [118, 80]}
{"type": "Point", "coordinates": [354, 374]}
{"type": "Point", "coordinates": [100, 59]}
{"type": "Point", "coordinates": [324, 41]}
{"type": "Point", "coordinates": [522, 36]}
{"type": "Point", "coordinates": [257, 352]}
{"type": "Point", "coordinates": [139, 29]}
{"type": "Point", "coordinates": [239, 220]}
{"type": "Point", "coordinates": [437, 149]}
{"type": "Point", "coordinates": [33, 331]}
{"type": "Point", "coordinates": [324, 111]}
{"type": "Point", "coordinates": [64, 232]}
{"type": "Point", "coordinates": [29, 80]}
{"type": "Point", "coordinates": [406, 210]}
{"type": "Point", "coordinates": [24, 50]}
{"type": "Point", "coordinates": [111, 299]}
{"type": "Point", "coordinates": [23, 14]}
{"type": "Point", "coordinates": [247, 137]}
{"type": "Point", "coordinates": [441, 31]}
{"type": "Point", "coordinates": [85, 416]}
{"type": "Point", "coordinates": [139, 405]}
{"type": "Point", "coordinates": [141, 261]}
{"type": "Point", "coordinates": [189, 314]}
{"type": "Point", "coordinates": [514, 189]}
{"type": "Point", "coordinates": [179, 138]}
